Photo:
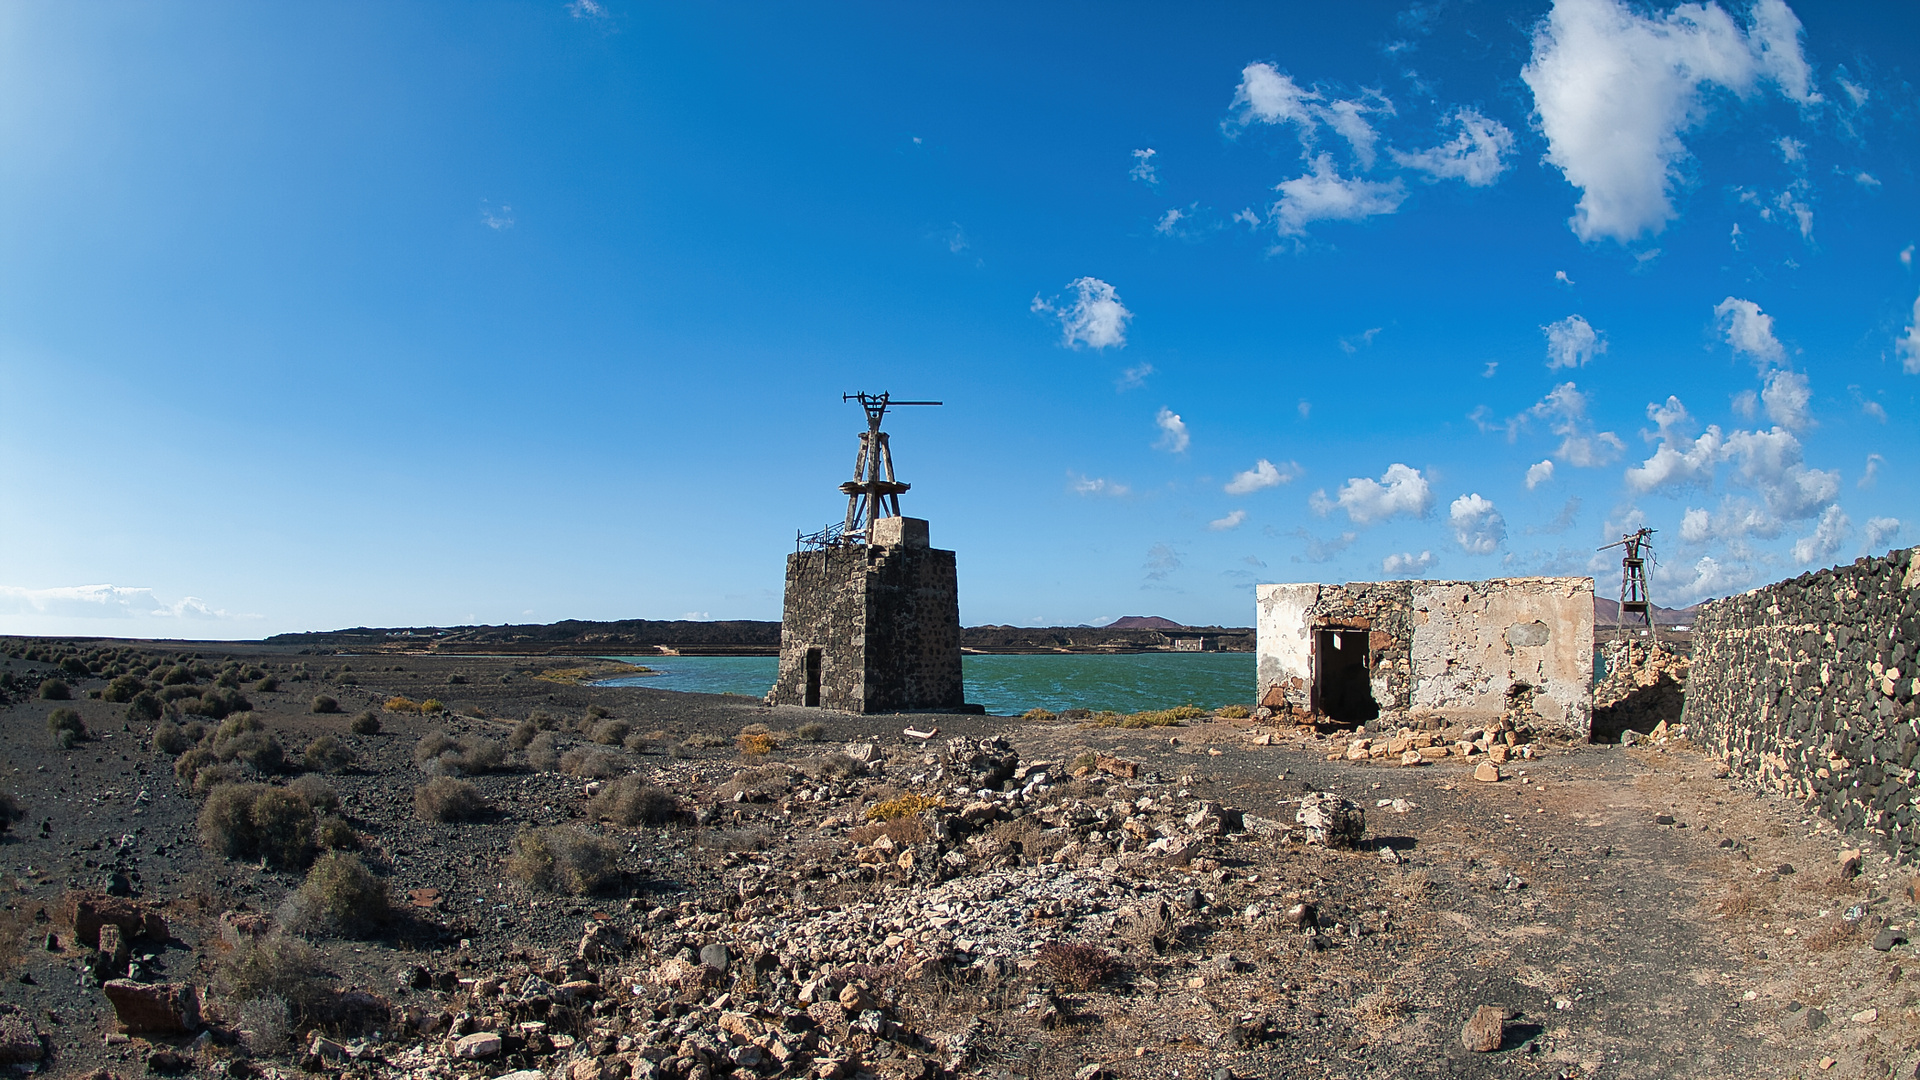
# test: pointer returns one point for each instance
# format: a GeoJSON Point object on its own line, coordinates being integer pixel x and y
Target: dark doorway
{"type": "Point", "coordinates": [1342, 683]}
{"type": "Point", "coordinates": [813, 678]}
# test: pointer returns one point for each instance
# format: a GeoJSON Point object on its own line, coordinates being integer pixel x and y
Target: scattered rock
{"type": "Point", "coordinates": [1487, 772]}
{"type": "Point", "coordinates": [20, 1040]}
{"type": "Point", "coordinates": [1331, 820]}
{"type": "Point", "coordinates": [1886, 939]}
{"type": "Point", "coordinates": [475, 1047]}
{"type": "Point", "coordinates": [1485, 1030]}
{"type": "Point", "coordinates": [87, 912]}
{"type": "Point", "coordinates": [154, 1008]}
{"type": "Point", "coordinates": [715, 956]}
{"type": "Point", "coordinates": [1849, 865]}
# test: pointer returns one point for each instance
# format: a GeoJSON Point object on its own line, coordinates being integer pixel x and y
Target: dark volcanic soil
{"type": "Point", "coordinates": [1636, 916]}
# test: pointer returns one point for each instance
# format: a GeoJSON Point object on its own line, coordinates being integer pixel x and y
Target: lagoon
{"type": "Point", "coordinates": [1008, 685]}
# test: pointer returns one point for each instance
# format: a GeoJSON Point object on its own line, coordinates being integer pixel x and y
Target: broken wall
{"type": "Point", "coordinates": [1468, 650]}
{"type": "Point", "coordinates": [1808, 686]}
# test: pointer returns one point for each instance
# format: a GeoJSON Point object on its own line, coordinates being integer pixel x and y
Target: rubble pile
{"type": "Point", "coordinates": [1498, 743]}
{"type": "Point", "coordinates": [1645, 687]}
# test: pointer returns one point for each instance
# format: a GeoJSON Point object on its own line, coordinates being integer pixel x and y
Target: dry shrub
{"type": "Point", "coordinates": [755, 743]}
{"type": "Point", "coordinates": [642, 744]}
{"type": "Point", "coordinates": [258, 821]}
{"type": "Point", "coordinates": [339, 896]}
{"type": "Point", "coordinates": [326, 703]}
{"type": "Point", "coordinates": [441, 754]}
{"type": "Point", "coordinates": [1150, 929]}
{"type": "Point", "coordinates": [1234, 712]}
{"type": "Point", "coordinates": [1077, 964]}
{"type": "Point", "coordinates": [1414, 886]}
{"type": "Point", "coordinates": [66, 727]}
{"type": "Point", "coordinates": [627, 801]}
{"type": "Point", "coordinates": [326, 754]}
{"type": "Point", "coordinates": [1040, 716]}
{"type": "Point", "coordinates": [1737, 903]}
{"type": "Point", "coordinates": [706, 740]}
{"type": "Point", "coordinates": [748, 839]}
{"type": "Point", "coordinates": [592, 762]}
{"type": "Point", "coordinates": [904, 832]}
{"type": "Point", "coordinates": [831, 767]}
{"type": "Point", "coordinates": [563, 859]}
{"type": "Point", "coordinates": [1832, 935]}
{"type": "Point", "coordinates": [757, 784]}
{"type": "Point", "coordinates": [367, 723]}
{"type": "Point", "coordinates": [15, 924]}
{"type": "Point", "coordinates": [445, 799]}
{"type": "Point", "coordinates": [10, 810]}
{"type": "Point", "coordinates": [400, 703]}
{"type": "Point", "coordinates": [543, 753]}
{"type": "Point", "coordinates": [278, 967]}
{"type": "Point", "coordinates": [611, 732]}
{"type": "Point", "coordinates": [317, 793]}
{"type": "Point", "coordinates": [243, 738]}
{"type": "Point", "coordinates": [812, 731]}
{"type": "Point", "coordinates": [1379, 1010]}
{"type": "Point", "coordinates": [523, 733]}
{"type": "Point", "coordinates": [170, 738]}
{"type": "Point", "coordinates": [904, 806]}
{"type": "Point", "coordinates": [267, 1024]}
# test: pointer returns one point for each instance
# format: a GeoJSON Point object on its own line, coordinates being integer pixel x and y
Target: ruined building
{"type": "Point", "coordinates": [871, 621]}
{"type": "Point", "coordinates": [1402, 651]}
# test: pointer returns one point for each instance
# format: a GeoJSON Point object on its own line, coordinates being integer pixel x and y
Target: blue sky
{"type": "Point", "coordinates": [400, 314]}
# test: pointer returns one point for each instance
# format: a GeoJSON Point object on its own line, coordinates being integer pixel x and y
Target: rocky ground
{"type": "Point", "coordinates": [1002, 898]}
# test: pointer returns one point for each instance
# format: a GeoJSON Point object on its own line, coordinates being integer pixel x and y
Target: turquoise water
{"type": "Point", "coordinates": [1008, 685]}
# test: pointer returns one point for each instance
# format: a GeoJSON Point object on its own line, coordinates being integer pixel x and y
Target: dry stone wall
{"type": "Point", "coordinates": [1808, 685]}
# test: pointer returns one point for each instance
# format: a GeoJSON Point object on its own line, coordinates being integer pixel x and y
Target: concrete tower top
{"type": "Point", "coordinates": [901, 532]}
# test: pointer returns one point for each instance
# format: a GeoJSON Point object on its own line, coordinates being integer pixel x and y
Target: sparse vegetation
{"type": "Point", "coordinates": [276, 968]}
{"type": "Point", "coordinates": [1234, 712]}
{"type": "Point", "coordinates": [904, 806]}
{"type": "Point", "coordinates": [812, 731]}
{"type": "Point", "coordinates": [563, 859]}
{"type": "Point", "coordinates": [1077, 964]}
{"type": "Point", "coordinates": [593, 762]}
{"type": "Point", "coordinates": [339, 896]}
{"type": "Point", "coordinates": [402, 704]}
{"type": "Point", "coordinates": [1040, 716]}
{"type": "Point", "coordinates": [445, 799]}
{"type": "Point", "coordinates": [902, 832]}
{"type": "Point", "coordinates": [367, 723]}
{"type": "Point", "coordinates": [327, 754]}
{"type": "Point", "coordinates": [55, 690]}
{"type": "Point", "coordinates": [325, 703]}
{"type": "Point", "coordinates": [1173, 717]}
{"type": "Point", "coordinates": [258, 821]}
{"type": "Point", "coordinates": [441, 754]}
{"type": "Point", "coordinates": [611, 732]}
{"type": "Point", "coordinates": [66, 727]}
{"type": "Point", "coordinates": [627, 801]}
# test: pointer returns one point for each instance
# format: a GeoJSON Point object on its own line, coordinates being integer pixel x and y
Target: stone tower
{"type": "Point", "coordinates": [871, 621]}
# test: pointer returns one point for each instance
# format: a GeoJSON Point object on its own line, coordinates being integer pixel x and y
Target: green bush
{"type": "Point", "coordinates": [341, 896]}
{"type": "Point", "coordinates": [177, 675]}
{"type": "Point", "coordinates": [144, 706]}
{"type": "Point", "coordinates": [217, 703]}
{"type": "Point", "coordinates": [627, 801]}
{"type": "Point", "coordinates": [75, 667]}
{"type": "Point", "coordinates": [367, 723]}
{"type": "Point", "coordinates": [55, 690]}
{"type": "Point", "coordinates": [563, 859]}
{"type": "Point", "coordinates": [445, 799]}
{"type": "Point", "coordinates": [244, 738]}
{"type": "Point", "coordinates": [66, 727]}
{"type": "Point", "coordinates": [170, 738]}
{"type": "Point", "coordinates": [325, 703]}
{"type": "Point", "coordinates": [326, 754]}
{"type": "Point", "coordinates": [258, 821]}
{"type": "Point", "coordinates": [122, 689]}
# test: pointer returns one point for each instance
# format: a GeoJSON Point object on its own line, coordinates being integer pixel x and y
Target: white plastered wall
{"type": "Point", "coordinates": [1283, 634]}
{"type": "Point", "coordinates": [1473, 641]}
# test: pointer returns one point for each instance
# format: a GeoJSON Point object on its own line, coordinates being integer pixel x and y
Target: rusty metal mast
{"type": "Point", "coordinates": [1637, 551]}
{"type": "Point", "coordinates": [874, 492]}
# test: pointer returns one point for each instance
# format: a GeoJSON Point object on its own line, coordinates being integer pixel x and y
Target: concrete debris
{"type": "Point", "coordinates": [1330, 820]}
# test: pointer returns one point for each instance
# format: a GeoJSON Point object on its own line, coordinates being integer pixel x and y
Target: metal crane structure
{"type": "Point", "coordinates": [874, 492]}
{"type": "Point", "coordinates": [1637, 551]}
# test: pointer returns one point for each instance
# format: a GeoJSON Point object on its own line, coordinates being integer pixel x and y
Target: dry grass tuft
{"type": "Point", "coordinates": [904, 806]}
{"type": "Point", "coordinates": [563, 859]}
{"type": "Point", "coordinates": [904, 832]}
{"type": "Point", "coordinates": [1079, 965]}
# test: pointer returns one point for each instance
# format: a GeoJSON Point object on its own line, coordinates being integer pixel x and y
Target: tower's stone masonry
{"type": "Point", "coordinates": [872, 627]}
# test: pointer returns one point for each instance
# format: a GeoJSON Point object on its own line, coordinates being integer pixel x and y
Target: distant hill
{"type": "Point", "coordinates": [1143, 622]}
{"type": "Point", "coordinates": [1607, 613]}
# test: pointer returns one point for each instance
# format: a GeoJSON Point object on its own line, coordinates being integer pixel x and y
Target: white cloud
{"type": "Point", "coordinates": [1143, 167]}
{"type": "Point", "coordinates": [103, 602]}
{"type": "Point", "coordinates": [1880, 534]}
{"type": "Point", "coordinates": [1866, 179]}
{"type": "Point", "coordinates": [1097, 485]}
{"type": "Point", "coordinates": [1786, 397]}
{"type": "Point", "coordinates": [496, 218]}
{"type": "Point", "coordinates": [1872, 470]}
{"type": "Point", "coordinates": [1173, 432]}
{"type": "Point", "coordinates": [1791, 149]}
{"type": "Point", "coordinates": [1580, 446]}
{"type": "Point", "coordinates": [1709, 578]}
{"type": "Point", "coordinates": [1263, 475]}
{"type": "Point", "coordinates": [1134, 377]}
{"type": "Point", "coordinates": [1248, 217]}
{"type": "Point", "coordinates": [1906, 259]}
{"type": "Point", "coordinates": [1325, 195]}
{"type": "Point", "coordinates": [1747, 404]}
{"type": "Point", "coordinates": [1305, 408]}
{"type": "Point", "coordinates": [1476, 155]}
{"type": "Point", "coordinates": [1096, 318]}
{"type": "Point", "coordinates": [1232, 521]}
{"type": "Point", "coordinates": [1750, 332]}
{"type": "Point", "coordinates": [1572, 342]}
{"type": "Point", "coordinates": [1908, 346]}
{"type": "Point", "coordinates": [1400, 490]}
{"type": "Point", "coordinates": [1770, 462]}
{"type": "Point", "coordinates": [1874, 409]}
{"type": "Point", "coordinates": [1355, 344]}
{"type": "Point", "coordinates": [1540, 472]}
{"type": "Point", "coordinates": [1492, 367]}
{"type": "Point", "coordinates": [1561, 277]}
{"type": "Point", "coordinates": [1826, 538]}
{"type": "Point", "coordinates": [1407, 563]}
{"type": "Point", "coordinates": [1169, 223]}
{"type": "Point", "coordinates": [587, 9]}
{"type": "Point", "coordinates": [1349, 119]}
{"type": "Point", "coordinates": [1613, 91]}
{"type": "Point", "coordinates": [1477, 524]}
{"type": "Point", "coordinates": [1679, 461]}
{"type": "Point", "coordinates": [1696, 526]}
{"type": "Point", "coordinates": [1272, 98]}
